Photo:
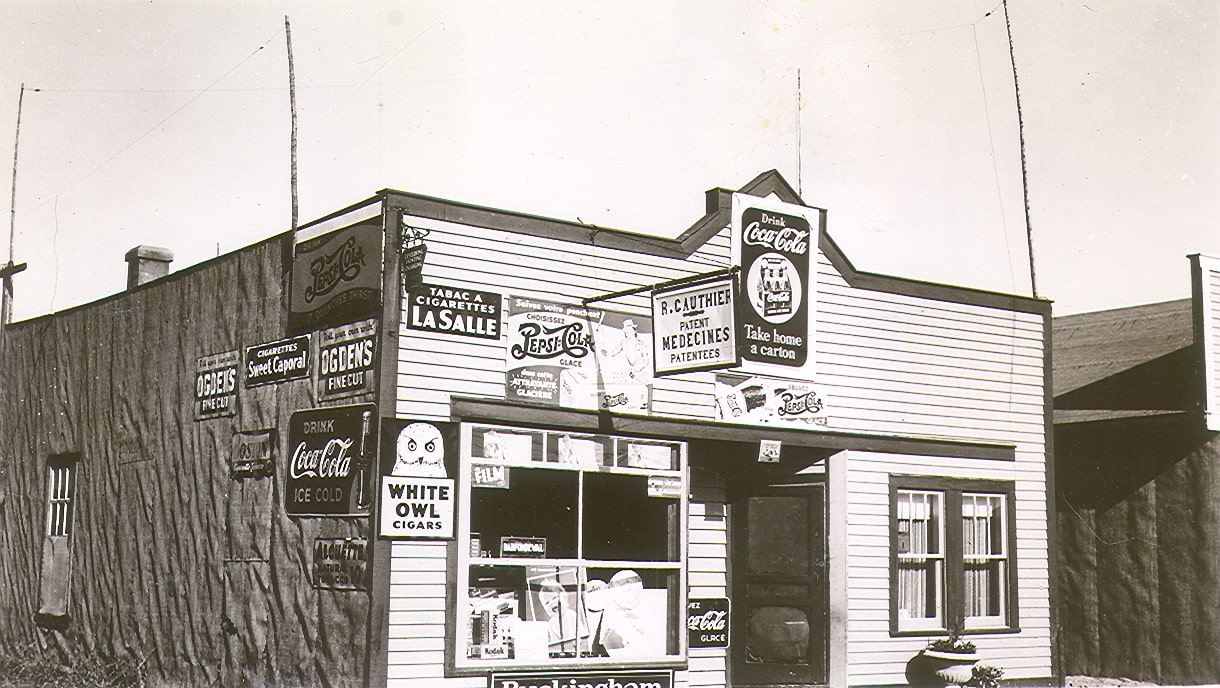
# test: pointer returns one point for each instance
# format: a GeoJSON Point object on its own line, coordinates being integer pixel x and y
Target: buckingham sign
{"type": "Point", "coordinates": [774, 245]}
{"type": "Point", "coordinates": [585, 679]}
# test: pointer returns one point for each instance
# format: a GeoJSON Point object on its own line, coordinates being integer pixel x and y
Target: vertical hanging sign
{"type": "Point", "coordinates": [773, 243]}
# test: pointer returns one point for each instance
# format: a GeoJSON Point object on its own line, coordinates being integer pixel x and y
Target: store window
{"type": "Point", "coordinates": [572, 550]}
{"type": "Point", "coordinates": [951, 555]}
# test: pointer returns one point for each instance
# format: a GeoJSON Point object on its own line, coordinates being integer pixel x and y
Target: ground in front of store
{"type": "Point", "coordinates": [1090, 682]}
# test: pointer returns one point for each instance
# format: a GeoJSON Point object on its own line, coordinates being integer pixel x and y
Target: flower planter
{"type": "Point", "coordinates": [954, 668]}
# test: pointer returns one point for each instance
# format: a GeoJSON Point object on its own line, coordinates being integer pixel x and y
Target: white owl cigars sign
{"type": "Point", "coordinates": [417, 498]}
{"type": "Point", "coordinates": [331, 455]}
{"type": "Point", "coordinates": [773, 244]}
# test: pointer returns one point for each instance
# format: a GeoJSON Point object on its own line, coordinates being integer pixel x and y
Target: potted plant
{"type": "Point", "coordinates": [985, 676]}
{"type": "Point", "coordinates": [944, 662]}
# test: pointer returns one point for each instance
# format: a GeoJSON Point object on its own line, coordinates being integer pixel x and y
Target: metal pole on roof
{"type": "Point", "coordinates": [292, 103]}
{"type": "Point", "coordinates": [10, 269]}
{"type": "Point", "coordinates": [1029, 231]}
{"type": "Point", "coordinates": [12, 207]}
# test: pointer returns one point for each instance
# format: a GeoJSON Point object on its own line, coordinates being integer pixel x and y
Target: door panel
{"type": "Point", "coordinates": [779, 586]}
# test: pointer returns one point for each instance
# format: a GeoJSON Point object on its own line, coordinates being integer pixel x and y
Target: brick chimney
{"type": "Point", "coordinates": [147, 263]}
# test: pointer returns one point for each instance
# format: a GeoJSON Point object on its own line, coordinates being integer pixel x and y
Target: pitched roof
{"type": "Point", "coordinates": [1136, 359]}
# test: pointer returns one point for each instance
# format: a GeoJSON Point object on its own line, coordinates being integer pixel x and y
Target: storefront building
{"type": "Point", "coordinates": [424, 443]}
{"type": "Point", "coordinates": [871, 474]}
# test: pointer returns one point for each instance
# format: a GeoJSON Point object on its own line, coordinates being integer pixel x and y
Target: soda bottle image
{"type": "Point", "coordinates": [775, 287]}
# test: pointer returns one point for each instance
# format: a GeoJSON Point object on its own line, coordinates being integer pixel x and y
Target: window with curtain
{"type": "Point", "coordinates": [952, 565]}
{"type": "Point", "coordinates": [921, 560]}
{"type": "Point", "coordinates": [984, 559]}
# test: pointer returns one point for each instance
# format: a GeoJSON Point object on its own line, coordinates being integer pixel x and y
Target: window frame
{"type": "Point", "coordinates": [544, 460]}
{"type": "Point", "coordinates": [59, 516]}
{"type": "Point", "coordinates": [953, 604]}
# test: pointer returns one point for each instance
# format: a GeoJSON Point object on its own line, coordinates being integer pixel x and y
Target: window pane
{"type": "Point", "coordinates": [918, 546]}
{"type": "Point", "coordinates": [777, 635]}
{"type": "Point", "coordinates": [537, 504]}
{"type": "Point", "coordinates": [984, 555]}
{"type": "Point", "coordinates": [621, 522]}
{"type": "Point", "coordinates": [778, 532]}
{"type": "Point", "coordinates": [630, 613]}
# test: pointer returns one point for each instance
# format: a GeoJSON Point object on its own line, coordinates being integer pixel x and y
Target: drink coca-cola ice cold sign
{"type": "Point", "coordinates": [707, 622]}
{"type": "Point", "coordinates": [331, 454]}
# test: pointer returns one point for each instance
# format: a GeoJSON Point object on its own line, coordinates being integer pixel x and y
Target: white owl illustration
{"type": "Point", "coordinates": [420, 452]}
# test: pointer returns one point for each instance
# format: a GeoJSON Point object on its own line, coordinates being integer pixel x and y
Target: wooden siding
{"type": "Point", "coordinates": [876, 658]}
{"type": "Point", "coordinates": [887, 364]}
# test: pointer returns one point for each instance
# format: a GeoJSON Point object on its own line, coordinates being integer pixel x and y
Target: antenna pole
{"type": "Point", "coordinates": [1016, 87]}
{"type": "Point", "coordinates": [10, 269]}
{"type": "Point", "coordinates": [292, 102]}
{"type": "Point", "coordinates": [12, 208]}
{"type": "Point", "coordinates": [799, 190]}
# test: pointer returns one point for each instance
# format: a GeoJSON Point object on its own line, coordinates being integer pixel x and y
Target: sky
{"type": "Point", "coordinates": [167, 123]}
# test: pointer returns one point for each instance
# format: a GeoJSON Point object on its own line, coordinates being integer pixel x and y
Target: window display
{"type": "Point", "coordinates": [573, 556]}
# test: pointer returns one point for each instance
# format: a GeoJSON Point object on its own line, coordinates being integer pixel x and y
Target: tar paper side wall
{"type": "Point", "coordinates": [181, 557]}
{"type": "Point", "coordinates": [891, 359]}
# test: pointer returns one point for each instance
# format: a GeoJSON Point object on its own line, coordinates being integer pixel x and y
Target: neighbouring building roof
{"type": "Point", "coordinates": [1126, 362]}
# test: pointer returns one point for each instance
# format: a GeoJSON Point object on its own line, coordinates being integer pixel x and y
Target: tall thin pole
{"type": "Point", "coordinates": [9, 269]}
{"type": "Point", "coordinates": [1016, 87]}
{"type": "Point", "coordinates": [799, 188]}
{"type": "Point", "coordinates": [12, 208]}
{"type": "Point", "coordinates": [292, 101]}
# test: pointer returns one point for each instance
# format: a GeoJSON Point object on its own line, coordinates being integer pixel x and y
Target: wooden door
{"type": "Point", "coordinates": [779, 584]}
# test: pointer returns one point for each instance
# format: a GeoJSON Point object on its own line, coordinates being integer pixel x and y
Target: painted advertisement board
{"type": "Point", "coordinates": [347, 359]}
{"type": "Point", "coordinates": [774, 244]}
{"type": "Point", "coordinates": [454, 310]}
{"type": "Point", "coordinates": [761, 400]}
{"type": "Point", "coordinates": [331, 452]}
{"type": "Point", "coordinates": [707, 622]}
{"type": "Point", "coordinates": [340, 563]}
{"type": "Point", "coordinates": [216, 385]}
{"type": "Point", "coordinates": [279, 361]}
{"type": "Point", "coordinates": [581, 679]}
{"type": "Point", "coordinates": [336, 278]}
{"type": "Point", "coordinates": [417, 495]}
{"type": "Point", "coordinates": [695, 326]}
{"type": "Point", "coordinates": [578, 357]}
